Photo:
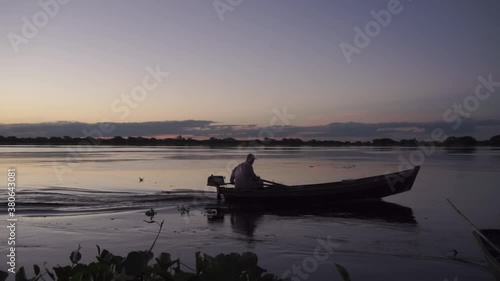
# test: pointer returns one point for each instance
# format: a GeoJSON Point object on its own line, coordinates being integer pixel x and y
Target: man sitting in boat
{"type": "Point", "coordinates": [243, 176]}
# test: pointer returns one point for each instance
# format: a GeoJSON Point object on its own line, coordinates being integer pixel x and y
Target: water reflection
{"type": "Point", "coordinates": [460, 150]}
{"type": "Point", "coordinates": [245, 219]}
{"type": "Point", "coordinates": [245, 222]}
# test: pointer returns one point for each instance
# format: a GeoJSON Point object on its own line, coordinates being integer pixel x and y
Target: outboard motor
{"type": "Point", "coordinates": [218, 182]}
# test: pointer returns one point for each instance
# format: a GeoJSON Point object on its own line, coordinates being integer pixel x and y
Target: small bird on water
{"type": "Point", "coordinates": [141, 179]}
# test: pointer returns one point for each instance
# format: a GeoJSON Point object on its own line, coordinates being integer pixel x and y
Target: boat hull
{"type": "Point", "coordinates": [492, 256]}
{"type": "Point", "coordinates": [371, 187]}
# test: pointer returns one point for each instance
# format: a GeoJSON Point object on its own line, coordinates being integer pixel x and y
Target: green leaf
{"type": "Point", "coordinates": [148, 255]}
{"type": "Point", "coordinates": [51, 275]}
{"type": "Point", "coordinates": [135, 263]}
{"type": "Point", "coordinates": [343, 272]}
{"type": "Point", "coordinates": [270, 277]}
{"type": "Point", "coordinates": [164, 260]}
{"type": "Point", "coordinates": [87, 276]}
{"type": "Point", "coordinates": [36, 268]}
{"type": "Point", "coordinates": [63, 273]}
{"type": "Point", "coordinates": [105, 256]}
{"type": "Point", "coordinates": [199, 262]}
{"type": "Point", "coordinates": [208, 259]}
{"type": "Point", "coordinates": [77, 277]}
{"type": "Point", "coordinates": [184, 276]}
{"type": "Point", "coordinates": [75, 256]}
{"type": "Point", "coordinates": [21, 275]}
{"type": "Point", "coordinates": [249, 259]}
{"type": "Point", "coordinates": [3, 275]}
{"type": "Point", "coordinates": [160, 271]}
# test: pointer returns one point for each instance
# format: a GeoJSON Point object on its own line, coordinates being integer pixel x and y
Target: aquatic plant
{"type": "Point", "coordinates": [138, 265]}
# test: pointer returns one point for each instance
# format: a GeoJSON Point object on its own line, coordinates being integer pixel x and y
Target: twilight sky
{"type": "Point", "coordinates": [155, 61]}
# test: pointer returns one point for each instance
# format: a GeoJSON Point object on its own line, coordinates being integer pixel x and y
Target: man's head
{"type": "Point", "coordinates": [250, 158]}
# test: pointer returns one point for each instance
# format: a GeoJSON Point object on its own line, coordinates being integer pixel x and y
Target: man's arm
{"type": "Point", "coordinates": [253, 176]}
{"type": "Point", "coordinates": [231, 180]}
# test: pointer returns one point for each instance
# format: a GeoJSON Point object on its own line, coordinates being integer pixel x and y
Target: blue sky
{"type": "Point", "coordinates": [263, 56]}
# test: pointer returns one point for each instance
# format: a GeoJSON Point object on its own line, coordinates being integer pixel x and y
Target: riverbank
{"type": "Point", "coordinates": [452, 142]}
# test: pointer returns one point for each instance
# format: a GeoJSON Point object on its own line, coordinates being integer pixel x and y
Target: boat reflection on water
{"type": "Point", "coordinates": [245, 218]}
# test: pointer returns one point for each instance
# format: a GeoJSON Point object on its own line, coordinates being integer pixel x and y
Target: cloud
{"type": "Point", "coordinates": [206, 129]}
{"type": "Point", "coordinates": [78, 129]}
{"type": "Point", "coordinates": [400, 130]}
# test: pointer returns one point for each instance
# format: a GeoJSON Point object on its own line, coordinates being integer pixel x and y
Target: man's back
{"type": "Point", "coordinates": [244, 176]}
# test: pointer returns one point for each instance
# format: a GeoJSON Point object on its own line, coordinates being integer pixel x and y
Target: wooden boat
{"type": "Point", "coordinates": [492, 256]}
{"type": "Point", "coordinates": [370, 187]}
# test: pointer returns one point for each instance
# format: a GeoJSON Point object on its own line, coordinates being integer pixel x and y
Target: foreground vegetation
{"type": "Point", "coordinates": [137, 265]}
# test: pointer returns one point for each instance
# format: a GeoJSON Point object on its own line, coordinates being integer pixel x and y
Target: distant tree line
{"type": "Point", "coordinates": [466, 141]}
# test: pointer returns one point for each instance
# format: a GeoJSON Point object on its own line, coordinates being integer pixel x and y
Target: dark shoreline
{"type": "Point", "coordinates": [466, 141]}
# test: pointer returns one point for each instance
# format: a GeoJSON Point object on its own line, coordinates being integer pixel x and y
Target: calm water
{"type": "Point", "coordinates": [68, 197]}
